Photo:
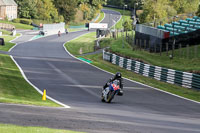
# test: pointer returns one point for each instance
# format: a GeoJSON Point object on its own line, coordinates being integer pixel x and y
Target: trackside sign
{"type": "Point", "coordinates": [98, 25]}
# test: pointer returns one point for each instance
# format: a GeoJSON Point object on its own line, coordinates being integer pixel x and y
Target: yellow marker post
{"type": "Point", "coordinates": [44, 95]}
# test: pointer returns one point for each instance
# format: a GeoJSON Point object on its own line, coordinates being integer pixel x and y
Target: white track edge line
{"type": "Point", "coordinates": [38, 90]}
{"type": "Point", "coordinates": [13, 42]}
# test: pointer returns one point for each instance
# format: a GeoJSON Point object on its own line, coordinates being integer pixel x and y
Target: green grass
{"type": "Point", "coordinates": [126, 15]}
{"type": "Point", "coordinates": [14, 88]}
{"type": "Point", "coordinates": [8, 44]}
{"type": "Point", "coordinates": [100, 17]}
{"type": "Point", "coordinates": [18, 25]}
{"type": "Point", "coordinates": [99, 62]}
{"type": "Point", "coordinates": [179, 62]}
{"type": "Point", "coordinates": [84, 44]}
{"type": "Point", "coordinates": [5, 128]}
{"type": "Point", "coordinates": [5, 32]}
{"type": "Point", "coordinates": [76, 29]}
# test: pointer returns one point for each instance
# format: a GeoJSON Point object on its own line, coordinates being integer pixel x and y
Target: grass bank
{"type": "Point", "coordinates": [99, 62]}
{"type": "Point", "coordinates": [18, 25]}
{"type": "Point", "coordinates": [85, 44]}
{"type": "Point", "coordinates": [5, 128]}
{"type": "Point", "coordinates": [179, 62]}
{"type": "Point", "coordinates": [13, 87]}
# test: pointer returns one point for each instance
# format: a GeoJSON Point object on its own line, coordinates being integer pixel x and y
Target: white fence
{"type": "Point", "coordinates": [50, 29]}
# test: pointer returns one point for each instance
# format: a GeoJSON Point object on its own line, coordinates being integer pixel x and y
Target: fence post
{"type": "Point", "coordinates": [133, 40]}
{"type": "Point", "coordinates": [160, 49]}
{"type": "Point", "coordinates": [145, 44]}
{"type": "Point", "coordinates": [137, 43]}
{"type": "Point", "coordinates": [188, 51]}
{"type": "Point", "coordinates": [140, 44]}
{"type": "Point", "coordinates": [117, 33]}
{"type": "Point", "coordinates": [173, 45]}
{"type": "Point", "coordinates": [195, 54]}
{"type": "Point", "coordinates": [180, 48]}
{"type": "Point", "coordinates": [167, 48]}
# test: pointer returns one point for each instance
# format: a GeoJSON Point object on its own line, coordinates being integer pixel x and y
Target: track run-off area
{"type": "Point", "coordinates": [47, 65]}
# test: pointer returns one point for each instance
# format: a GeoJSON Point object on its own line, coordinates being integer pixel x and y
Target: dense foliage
{"type": "Point", "coordinates": [159, 9]}
{"type": "Point", "coordinates": [58, 10]}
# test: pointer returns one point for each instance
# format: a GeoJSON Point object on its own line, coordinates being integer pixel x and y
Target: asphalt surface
{"type": "Point", "coordinates": [141, 110]}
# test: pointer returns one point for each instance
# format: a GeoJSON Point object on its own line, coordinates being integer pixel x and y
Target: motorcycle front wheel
{"type": "Point", "coordinates": [110, 96]}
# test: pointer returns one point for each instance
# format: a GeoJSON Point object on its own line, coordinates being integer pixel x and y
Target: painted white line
{"type": "Point", "coordinates": [103, 16]}
{"type": "Point", "coordinates": [35, 106]}
{"type": "Point", "coordinates": [38, 90]}
{"type": "Point", "coordinates": [13, 42]}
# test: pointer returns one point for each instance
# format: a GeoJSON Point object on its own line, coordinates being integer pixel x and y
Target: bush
{"type": "Point", "coordinates": [26, 21]}
{"type": "Point", "coordinates": [16, 20]}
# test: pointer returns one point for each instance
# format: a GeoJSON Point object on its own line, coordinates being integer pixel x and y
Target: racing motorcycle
{"type": "Point", "coordinates": [109, 92]}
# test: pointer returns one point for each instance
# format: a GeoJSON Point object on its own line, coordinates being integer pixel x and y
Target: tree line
{"type": "Point", "coordinates": [159, 9]}
{"type": "Point", "coordinates": [58, 10]}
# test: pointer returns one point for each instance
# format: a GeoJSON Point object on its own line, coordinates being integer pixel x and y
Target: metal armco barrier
{"type": "Point", "coordinates": [184, 79]}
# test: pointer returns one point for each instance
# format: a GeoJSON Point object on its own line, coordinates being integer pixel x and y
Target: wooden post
{"type": "Point", "coordinates": [137, 43]}
{"type": "Point", "coordinates": [167, 48]}
{"type": "Point", "coordinates": [196, 48]}
{"type": "Point", "coordinates": [140, 44]}
{"type": "Point", "coordinates": [160, 49]}
{"type": "Point", "coordinates": [117, 33]}
{"type": "Point", "coordinates": [145, 44]}
{"type": "Point", "coordinates": [173, 45]}
{"type": "Point", "coordinates": [180, 48]}
{"type": "Point", "coordinates": [188, 51]}
{"type": "Point", "coordinates": [149, 46]}
{"type": "Point", "coordinates": [133, 40]}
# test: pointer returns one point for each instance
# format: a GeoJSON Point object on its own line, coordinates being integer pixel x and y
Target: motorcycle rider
{"type": "Point", "coordinates": [117, 78]}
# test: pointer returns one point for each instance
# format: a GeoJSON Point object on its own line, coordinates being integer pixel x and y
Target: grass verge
{"type": "Point", "coordinates": [100, 17]}
{"type": "Point", "coordinates": [5, 128]}
{"type": "Point", "coordinates": [15, 89]}
{"type": "Point", "coordinates": [18, 25]}
{"type": "Point", "coordinates": [179, 62]}
{"type": "Point", "coordinates": [86, 44]}
{"type": "Point", "coordinates": [99, 62]}
{"type": "Point", "coordinates": [8, 44]}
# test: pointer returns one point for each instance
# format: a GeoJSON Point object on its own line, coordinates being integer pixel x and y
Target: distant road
{"type": "Point", "coordinates": [142, 109]}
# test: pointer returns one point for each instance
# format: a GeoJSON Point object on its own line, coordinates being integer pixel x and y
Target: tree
{"type": "Point", "coordinates": [185, 6]}
{"type": "Point", "coordinates": [67, 8]}
{"type": "Point", "coordinates": [27, 8]}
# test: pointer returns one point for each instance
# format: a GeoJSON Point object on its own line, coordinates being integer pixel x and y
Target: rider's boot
{"type": "Point", "coordinates": [120, 93]}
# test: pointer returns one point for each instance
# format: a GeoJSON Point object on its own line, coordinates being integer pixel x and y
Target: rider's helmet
{"type": "Point", "coordinates": [117, 75]}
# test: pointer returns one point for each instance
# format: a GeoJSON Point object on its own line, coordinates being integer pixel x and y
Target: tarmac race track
{"type": "Point", "coordinates": [47, 65]}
